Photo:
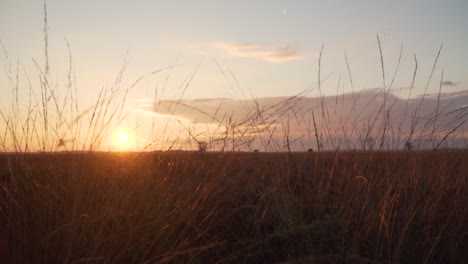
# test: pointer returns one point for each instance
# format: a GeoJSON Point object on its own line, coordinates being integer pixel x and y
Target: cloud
{"type": "Point", "coordinates": [270, 54]}
{"type": "Point", "coordinates": [210, 119]}
{"type": "Point", "coordinates": [450, 83]}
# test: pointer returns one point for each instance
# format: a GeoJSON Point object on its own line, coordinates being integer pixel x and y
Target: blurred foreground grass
{"type": "Point", "coordinates": [189, 207]}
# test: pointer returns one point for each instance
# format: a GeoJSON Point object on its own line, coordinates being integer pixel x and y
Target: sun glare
{"type": "Point", "coordinates": [121, 141]}
{"type": "Point", "coordinates": [123, 138]}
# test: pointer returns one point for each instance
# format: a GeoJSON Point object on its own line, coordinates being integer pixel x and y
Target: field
{"type": "Point", "coordinates": [239, 207]}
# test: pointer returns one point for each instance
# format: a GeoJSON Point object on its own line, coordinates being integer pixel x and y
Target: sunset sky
{"type": "Point", "coordinates": [267, 48]}
{"type": "Point", "coordinates": [271, 47]}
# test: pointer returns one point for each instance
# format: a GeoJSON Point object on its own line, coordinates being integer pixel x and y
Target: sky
{"type": "Point", "coordinates": [237, 49]}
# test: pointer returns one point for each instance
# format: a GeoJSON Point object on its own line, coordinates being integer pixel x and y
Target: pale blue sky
{"type": "Point", "coordinates": [283, 37]}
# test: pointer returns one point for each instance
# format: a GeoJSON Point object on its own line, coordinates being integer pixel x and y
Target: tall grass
{"type": "Point", "coordinates": [371, 205]}
{"type": "Point", "coordinates": [251, 207]}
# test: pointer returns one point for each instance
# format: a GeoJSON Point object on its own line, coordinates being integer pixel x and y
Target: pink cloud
{"type": "Point", "coordinates": [270, 54]}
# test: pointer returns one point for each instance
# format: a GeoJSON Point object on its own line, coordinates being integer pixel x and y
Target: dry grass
{"type": "Point", "coordinates": [395, 207]}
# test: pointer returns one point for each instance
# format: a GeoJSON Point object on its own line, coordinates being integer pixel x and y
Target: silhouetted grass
{"type": "Point", "coordinates": [406, 207]}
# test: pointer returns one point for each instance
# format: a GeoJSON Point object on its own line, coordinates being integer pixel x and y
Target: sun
{"type": "Point", "coordinates": [123, 138]}
{"type": "Point", "coordinates": [121, 141]}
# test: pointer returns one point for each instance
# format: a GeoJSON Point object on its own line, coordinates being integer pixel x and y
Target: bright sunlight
{"type": "Point", "coordinates": [121, 141]}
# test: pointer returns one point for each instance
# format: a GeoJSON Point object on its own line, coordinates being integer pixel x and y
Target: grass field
{"type": "Point", "coordinates": [190, 207]}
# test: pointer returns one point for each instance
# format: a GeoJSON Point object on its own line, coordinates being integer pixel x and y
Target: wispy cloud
{"type": "Point", "coordinates": [450, 83]}
{"type": "Point", "coordinates": [270, 54]}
